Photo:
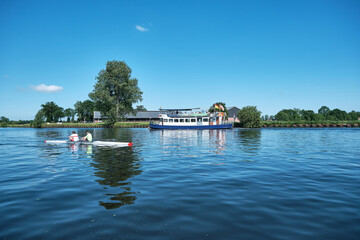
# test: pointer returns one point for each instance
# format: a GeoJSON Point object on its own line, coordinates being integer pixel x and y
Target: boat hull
{"type": "Point", "coordinates": [199, 127]}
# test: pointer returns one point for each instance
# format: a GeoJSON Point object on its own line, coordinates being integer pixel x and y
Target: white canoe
{"type": "Point", "coordinates": [96, 143]}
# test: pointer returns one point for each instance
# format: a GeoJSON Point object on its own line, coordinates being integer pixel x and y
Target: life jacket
{"type": "Point", "coordinates": [74, 137]}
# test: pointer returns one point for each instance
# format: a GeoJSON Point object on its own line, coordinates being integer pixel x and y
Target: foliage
{"type": "Point", "coordinates": [324, 113]}
{"type": "Point", "coordinates": [288, 114]}
{"type": "Point", "coordinates": [4, 121]}
{"type": "Point", "coordinates": [140, 108]}
{"type": "Point", "coordinates": [85, 110]}
{"type": "Point", "coordinates": [220, 104]}
{"type": "Point", "coordinates": [70, 114]}
{"type": "Point", "coordinates": [249, 117]}
{"type": "Point", "coordinates": [39, 119]}
{"type": "Point", "coordinates": [115, 91]}
{"type": "Point", "coordinates": [52, 112]}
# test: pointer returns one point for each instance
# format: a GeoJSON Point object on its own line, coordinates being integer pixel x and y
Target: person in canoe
{"type": "Point", "coordinates": [74, 137]}
{"type": "Point", "coordinates": [88, 137]}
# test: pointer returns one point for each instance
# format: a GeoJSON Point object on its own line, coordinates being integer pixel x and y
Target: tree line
{"type": "Point", "coordinates": [323, 114]}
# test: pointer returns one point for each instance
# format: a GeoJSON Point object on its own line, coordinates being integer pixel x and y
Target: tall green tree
{"type": "Point", "coordinates": [39, 119]}
{"type": "Point", "coordinates": [249, 117]}
{"type": "Point", "coordinates": [52, 111]}
{"type": "Point", "coordinates": [115, 91]}
{"type": "Point", "coordinates": [85, 110]}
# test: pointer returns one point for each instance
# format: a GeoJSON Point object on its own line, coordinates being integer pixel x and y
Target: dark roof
{"type": "Point", "coordinates": [145, 114]}
{"type": "Point", "coordinates": [233, 111]}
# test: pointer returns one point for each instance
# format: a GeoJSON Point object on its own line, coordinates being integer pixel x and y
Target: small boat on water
{"type": "Point", "coordinates": [187, 119]}
{"type": "Point", "coordinates": [94, 143]}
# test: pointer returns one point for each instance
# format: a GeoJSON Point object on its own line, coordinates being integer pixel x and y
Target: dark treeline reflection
{"type": "Point", "coordinates": [114, 167]}
{"type": "Point", "coordinates": [249, 140]}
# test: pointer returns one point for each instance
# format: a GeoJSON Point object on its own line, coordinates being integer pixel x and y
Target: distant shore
{"type": "Point", "coordinates": [264, 124]}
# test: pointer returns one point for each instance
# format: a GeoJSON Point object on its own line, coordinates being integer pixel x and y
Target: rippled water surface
{"type": "Point", "coordinates": [188, 184]}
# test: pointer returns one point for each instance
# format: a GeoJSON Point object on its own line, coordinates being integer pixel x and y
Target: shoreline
{"type": "Point", "coordinates": [146, 125]}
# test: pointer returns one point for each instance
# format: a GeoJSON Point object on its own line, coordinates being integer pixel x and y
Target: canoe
{"type": "Point", "coordinates": [95, 143]}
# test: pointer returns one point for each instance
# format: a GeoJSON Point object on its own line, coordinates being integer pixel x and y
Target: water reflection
{"type": "Point", "coordinates": [114, 167]}
{"type": "Point", "coordinates": [211, 140]}
{"type": "Point", "coordinates": [249, 140]}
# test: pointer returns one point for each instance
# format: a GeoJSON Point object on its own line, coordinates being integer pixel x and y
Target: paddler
{"type": "Point", "coordinates": [74, 137]}
{"type": "Point", "coordinates": [88, 137]}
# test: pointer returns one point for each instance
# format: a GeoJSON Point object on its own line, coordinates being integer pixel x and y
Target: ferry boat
{"type": "Point", "coordinates": [186, 119]}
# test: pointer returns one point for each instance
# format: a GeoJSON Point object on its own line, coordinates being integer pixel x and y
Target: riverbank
{"type": "Point", "coordinates": [264, 124]}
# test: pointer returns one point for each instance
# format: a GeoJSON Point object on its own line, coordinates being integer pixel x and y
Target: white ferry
{"type": "Point", "coordinates": [187, 119]}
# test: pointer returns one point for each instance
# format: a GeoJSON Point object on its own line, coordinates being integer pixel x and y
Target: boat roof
{"type": "Point", "coordinates": [177, 109]}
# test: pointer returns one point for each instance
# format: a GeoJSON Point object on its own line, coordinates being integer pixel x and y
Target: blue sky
{"type": "Point", "coordinates": [269, 54]}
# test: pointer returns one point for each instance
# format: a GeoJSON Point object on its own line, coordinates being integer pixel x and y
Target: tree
{"type": "Point", "coordinates": [339, 115]}
{"type": "Point", "coordinates": [282, 116]}
{"type": "Point", "coordinates": [293, 115]}
{"type": "Point", "coordinates": [52, 111]}
{"type": "Point", "coordinates": [140, 108]}
{"type": "Point", "coordinates": [70, 114]}
{"type": "Point", "coordinates": [221, 107]}
{"type": "Point", "coordinates": [4, 119]}
{"type": "Point", "coordinates": [115, 91]}
{"type": "Point", "coordinates": [324, 111]}
{"type": "Point", "coordinates": [39, 119]}
{"type": "Point", "coordinates": [249, 117]}
{"type": "Point", "coordinates": [354, 115]}
{"type": "Point", "coordinates": [85, 110]}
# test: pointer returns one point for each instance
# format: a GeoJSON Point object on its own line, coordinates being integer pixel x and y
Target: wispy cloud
{"type": "Point", "coordinates": [141, 29]}
{"type": "Point", "coordinates": [5, 76]}
{"type": "Point", "coordinates": [44, 88]}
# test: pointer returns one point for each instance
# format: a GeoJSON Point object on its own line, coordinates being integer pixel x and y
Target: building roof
{"type": "Point", "coordinates": [233, 111]}
{"type": "Point", "coordinates": [144, 114]}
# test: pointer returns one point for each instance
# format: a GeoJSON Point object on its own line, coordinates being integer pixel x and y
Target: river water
{"type": "Point", "coordinates": [188, 184]}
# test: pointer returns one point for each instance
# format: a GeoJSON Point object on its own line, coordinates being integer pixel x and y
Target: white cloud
{"type": "Point", "coordinates": [44, 88]}
{"type": "Point", "coordinates": [141, 29]}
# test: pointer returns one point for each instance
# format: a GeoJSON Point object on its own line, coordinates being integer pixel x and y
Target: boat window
{"type": "Point", "coordinates": [171, 120]}
{"type": "Point", "coordinates": [211, 119]}
{"type": "Point", "coordinates": [181, 120]}
{"type": "Point", "coordinates": [193, 120]}
{"type": "Point", "coordinates": [199, 119]}
{"type": "Point", "coordinates": [187, 120]}
{"type": "Point", "coordinates": [165, 120]}
{"type": "Point", "coordinates": [205, 119]}
{"type": "Point", "coordinates": [176, 120]}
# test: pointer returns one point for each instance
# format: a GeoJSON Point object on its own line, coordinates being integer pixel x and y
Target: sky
{"type": "Point", "coordinates": [271, 54]}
